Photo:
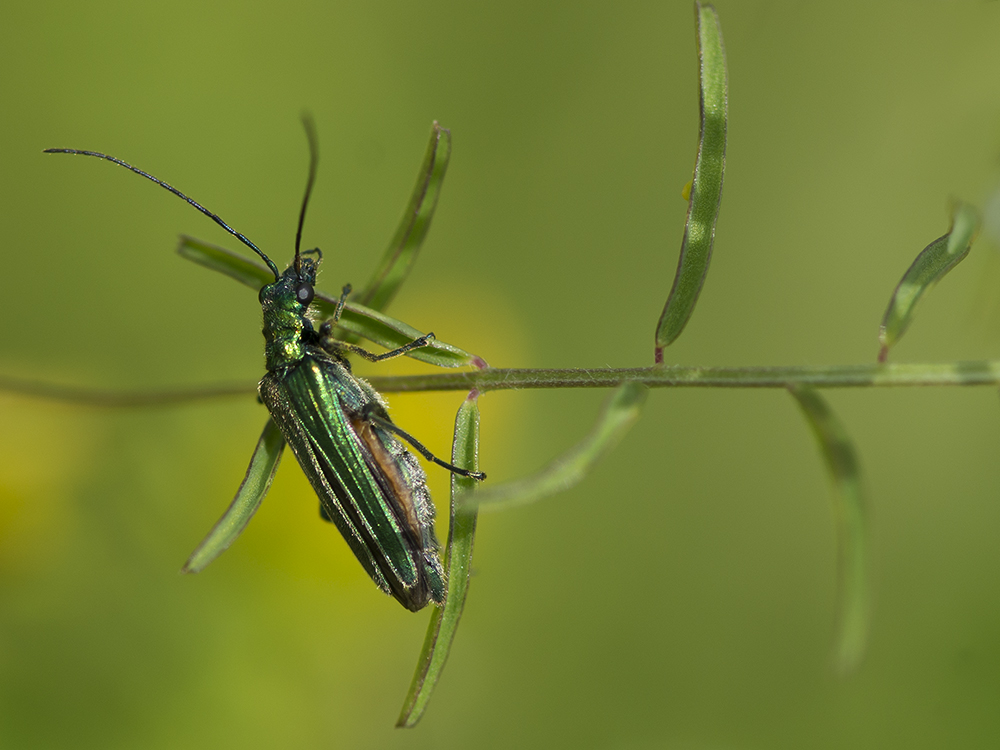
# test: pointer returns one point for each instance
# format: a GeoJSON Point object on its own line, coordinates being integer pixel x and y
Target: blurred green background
{"type": "Point", "coordinates": [681, 597]}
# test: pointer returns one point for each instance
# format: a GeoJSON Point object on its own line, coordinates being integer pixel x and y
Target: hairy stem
{"type": "Point", "coordinates": [675, 376]}
{"type": "Point", "coordinates": [498, 379]}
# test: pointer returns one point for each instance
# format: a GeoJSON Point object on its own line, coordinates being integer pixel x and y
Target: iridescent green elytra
{"type": "Point", "coordinates": [369, 484]}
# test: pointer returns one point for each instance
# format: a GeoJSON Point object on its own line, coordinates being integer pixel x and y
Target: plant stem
{"type": "Point", "coordinates": [676, 376]}
{"type": "Point", "coordinates": [497, 379]}
{"type": "Point", "coordinates": [113, 399]}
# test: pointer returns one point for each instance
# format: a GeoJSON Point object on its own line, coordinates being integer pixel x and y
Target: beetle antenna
{"type": "Point", "coordinates": [214, 217]}
{"type": "Point", "coordinates": [310, 126]}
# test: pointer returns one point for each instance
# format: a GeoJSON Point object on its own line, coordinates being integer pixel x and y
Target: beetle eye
{"type": "Point", "coordinates": [304, 294]}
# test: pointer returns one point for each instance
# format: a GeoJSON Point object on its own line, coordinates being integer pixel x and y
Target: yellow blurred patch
{"type": "Point", "coordinates": [44, 455]}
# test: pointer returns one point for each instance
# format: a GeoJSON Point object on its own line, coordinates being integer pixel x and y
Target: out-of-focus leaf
{"type": "Point", "coordinates": [930, 266]}
{"type": "Point", "coordinates": [706, 185]}
{"type": "Point", "coordinates": [405, 244]}
{"type": "Point", "coordinates": [849, 508]}
{"type": "Point", "coordinates": [620, 412]}
{"type": "Point", "coordinates": [458, 564]}
{"type": "Point", "coordinates": [991, 215]}
{"type": "Point", "coordinates": [356, 319]}
{"type": "Point", "coordinates": [263, 465]}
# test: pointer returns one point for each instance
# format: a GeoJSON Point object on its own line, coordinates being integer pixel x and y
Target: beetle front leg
{"type": "Point", "coordinates": [329, 343]}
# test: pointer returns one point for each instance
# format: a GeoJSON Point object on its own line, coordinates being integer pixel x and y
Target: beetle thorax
{"type": "Point", "coordinates": [285, 318]}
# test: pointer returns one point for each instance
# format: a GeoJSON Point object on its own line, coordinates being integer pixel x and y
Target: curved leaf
{"type": "Point", "coordinates": [356, 319]}
{"type": "Point", "coordinates": [458, 565]}
{"type": "Point", "coordinates": [930, 266]}
{"type": "Point", "coordinates": [706, 185]}
{"type": "Point", "coordinates": [255, 485]}
{"type": "Point", "coordinates": [620, 412]}
{"type": "Point", "coordinates": [849, 508]}
{"type": "Point", "coordinates": [405, 244]}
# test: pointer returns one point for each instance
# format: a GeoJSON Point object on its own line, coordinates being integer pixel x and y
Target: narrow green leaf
{"type": "Point", "coordinates": [933, 262]}
{"type": "Point", "coordinates": [706, 186]}
{"type": "Point", "coordinates": [248, 272]}
{"type": "Point", "coordinates": [620, 412]}
{"type": "Point", "coordinates": [257, 481]}
{"type": "Point", "coordinates": [405, 244]}
{"type": "Point", "coordinates": [392, 334]}
{"type": "Point", "coordinates": [849, 508]}
{"type": "Point", "coordinates": [358, 320]}
{"type": "Point", "coordinates": [458, 564]}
